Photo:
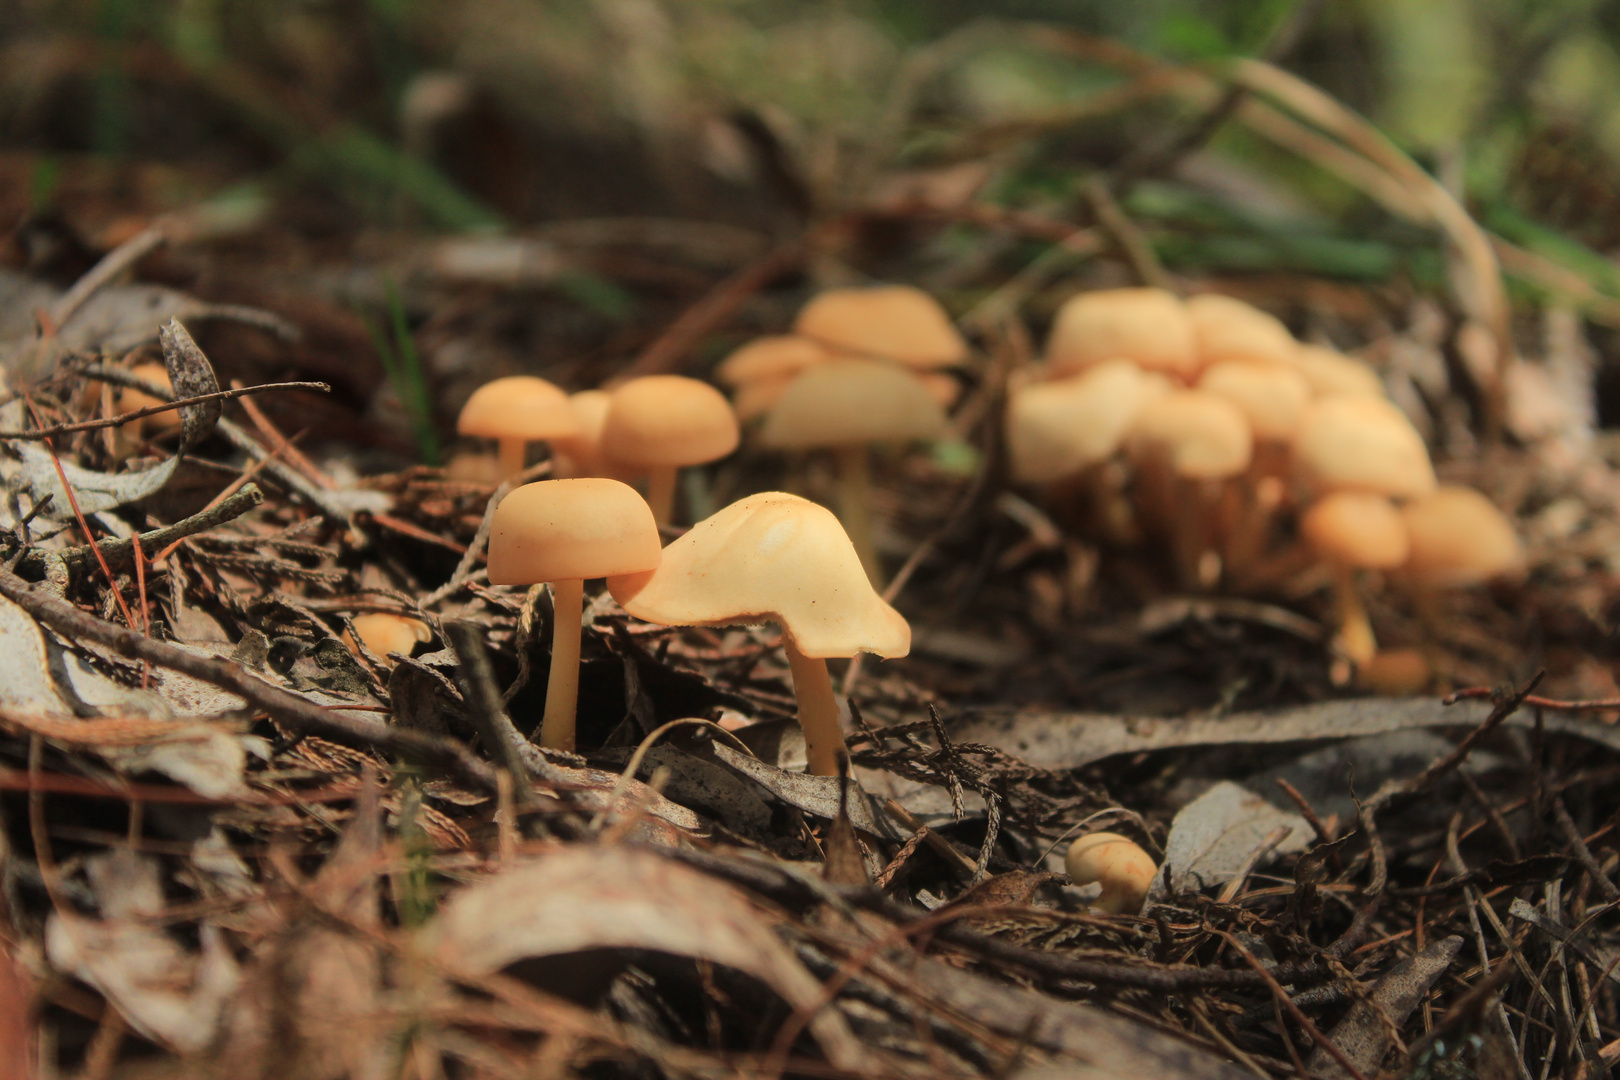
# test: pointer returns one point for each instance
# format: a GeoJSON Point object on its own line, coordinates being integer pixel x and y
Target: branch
{"type": "Point", "coordinates": [167, 406]}
{"type": "Point", "coordinates": [121, 552]}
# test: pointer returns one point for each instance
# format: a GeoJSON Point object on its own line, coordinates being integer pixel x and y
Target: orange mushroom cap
{"type": "Point", "coordinates": [1459, 537]}
{"type": "Point", "coordinates": [571, 530]}
{"type": "Point", "coordinates": [517, 407]}
{"type": "Point", "coordinates": [1149, 326]}
{"type": "Point", "coordinates": [1356, 529]}
{"type": "Point", "coordinates": [1229, 329]}
{"type": "Point", "coordinates": [1362, 444]}
{"type": "Point", "coordinates": [891, 322]}
{"type": "Point", "coordinates": [667, 420]}
{"type": "Point", "coordinates": [1204, 437]}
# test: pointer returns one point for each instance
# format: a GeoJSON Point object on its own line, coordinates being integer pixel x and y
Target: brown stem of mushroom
{"type": "Point", "coordinates": [562, 686]}
{"type": "Point", "coordinates": [512, 454]}
{"type": "Point", "coordinates": [855, 507]}
{"type": "Point", "coordinates": [661, 492]}
{"type": "Point", "coordinates": [1355, 630]}
{"type": "Point", "coordinates": [818, 711]}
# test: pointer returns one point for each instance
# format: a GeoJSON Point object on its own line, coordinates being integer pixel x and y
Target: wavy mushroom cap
{"type": "Point", "coordinates": [518, 407]}
{"type": "Point", "coordinates": [1270, 396]}
{"type": "Point", "coordinates": [770, 357]}
{"type": "Point", "coordinates": [1459, 537]}
{"type": "Point", "coordinates": [1057, 428]}
{"type": "Point", "coordinates": [1362, 444]}
{"type": "Point", "coordinates": [1355, 528]}
{"type": "Point", "coordinates": [1229, 329]}
{"type": "Point", "coordinates": [850, 402]}
{"type": "Point", "coordinates": [770, 557]}
{"type": "Point", "coordinates": [1148, 326]}
{"type": "Point", "coordinates": [1202, 436]}
{"type": "Point", "coordinates": [571, 530]}
{"type": "Point", "coordinates": [891, 322]}
{"type": "Point", "coordinates": [1329, 372]}
{"type": "Point", "coordinates": [667, 420]}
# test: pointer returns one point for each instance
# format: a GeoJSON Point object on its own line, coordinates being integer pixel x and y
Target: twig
{"type": "Point", "coordinates": [483, 696]}
{"type": "Point", "coordinates": [1583, 854]}
{"type": "Point", "coordinates": [152, 410]}
{"type": "Point", "coordinates": [301, 715]}
{"type": "Point", "coordinates": [120, 552]}
{"type": "Point", "coordinates": [1281, 997]}
{"type": "Point", "coordinates": [112, 264]}
{"type": "Point", "coordinates": [464, 569]}
{"type": "Point", "coordinates": [1535, 701]}
{"type": "Point", "coordinates": [1123, 231]}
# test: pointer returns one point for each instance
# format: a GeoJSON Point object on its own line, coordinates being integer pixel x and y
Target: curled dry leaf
{"type": "Point", "coordinates": [594, 898]}
{"type": "Point", "coordinates": [1214, 836]}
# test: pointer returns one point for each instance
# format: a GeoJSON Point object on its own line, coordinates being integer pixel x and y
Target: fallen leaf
{"type": "Point", "coordinates": [1363, 1035]}
{"type": "Point", "coordinates": [1213, 837]}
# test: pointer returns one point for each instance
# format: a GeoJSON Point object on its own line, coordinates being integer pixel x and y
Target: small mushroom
{"type": "Point", "coordinates": [131, 399]}
{"type": "Point", "coordinates": [1351, 531]}
{"type": "Point", "coordinates": [1148, 326]}
{"type": "Point", "coordinates": [883, 322]}
{"type": "Point", "coordinates": [1122, 868]}
{"type": "Point", "coordinates": [384, 633]}
{"type": "Point", "coordinates": [515, 411]}
{"type": "Point", "coordinates": [776, 557]}
{"type": "Point", "coordinates": [1226, 328]}
{"type": "Point", "coordinates": [1362, 444]}
{"type": "Point", "coordinates": [1328, 373]}
{"type": "Point", "coordinates": [658, 423]}
{"type": "Point", "coordinates": [566, 532]}
{"type": "Point", "coordinates": [1055, 429]}
{"type": "Point", "coordinates": [1459, 538]}
{"type": "Point", "coordinates": [844, 406]}
{"type": "Point", "coordinates": [759, 371]}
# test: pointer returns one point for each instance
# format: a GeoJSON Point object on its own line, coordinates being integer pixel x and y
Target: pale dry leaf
{"type": "Point", "coordinates": [1214, 836]}
{"type": "Point", "coordinates": [26, 685]}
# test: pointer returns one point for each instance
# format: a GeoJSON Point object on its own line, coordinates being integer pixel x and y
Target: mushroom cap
{"type": "Point", "coordinates": [756, 398]}
{"type": "Point", "coordinates": [1459, 537]}
{"type": "Point", "coordinates": [131, 399]}
{"type": "Point", "coordinates": [517, 407]}
{"type": "Point", "coordinates": [848, 402]}
{"type": "Point", "coordinates": [1272, 397]}
{"type": "Point", "coordinates": [1124, 869]}
{"type": "Point", "coordinates": [891, 322]}
{"type": "Point", "coordinates": [384, 633]}
{"type": "Point", "coordinates": [769, 357]}
{"type": "Point", "coordinates": [568, 530]}
{"type": "Point", "coordinates": [1226, 328]}
{"type": "Point", "coordinates": [1356, 528]}
{"type": "Point", "coordinates": [1205, 437]}
{"type": "Point", "coordinates": [473, 468]}
{"type": "Point", "coordinates": [1329, 372]}
{"type": "Point", "coordinates": [1057, 428]}
{"type": "Point", "coordinates": [580, 454]}
{"type": "Point", "coordinates": [774, 557]}
{"type": "Point", "coordinates": [1149, 326]}
{"type": "Point", "coordinates": [1362, 444]}
{"type": "Point", "coordinates": [668, 420]}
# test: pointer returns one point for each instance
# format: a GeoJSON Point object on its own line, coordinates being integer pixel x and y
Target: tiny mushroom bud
{"type": "Point", "coordinates": [1229, 329]}
{"type": "Point", "coordinates": [514, 411]}
{"type": "Point", "coordinates": [1458, 538]}
{"type": "Point", "coordinates": [1350, 531]}
{"type": "Point", "coordinates": [1148, 326]}
{"type": "Point", "coordinates": [131, 399]}
{"type": "Point", "coordinates": [1122, 868]}
{"type": "Point", "coordinates": [658, 423]}
{"type": "Point", "coordinates": [885, 322]}
{"type": "Point", "coordinates": [1055, 429]}
{"type": "Point", "coordinates": [1330, 372]}
{"type": "Point", "coordinates": [383, 633]}
{"type": "Point", "coordinates": [565, 532]}
{"type": "Point", "coordinates": [844, 405]}
{"type": "Point", "coordinates": [1362, 444]}
{"type": "Point", "coordinates": [784, 559]}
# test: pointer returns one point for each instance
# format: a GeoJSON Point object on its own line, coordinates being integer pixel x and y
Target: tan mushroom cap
{"type": "Point", "coordinates": [1229, 329]}
{"type": "Point", "coordinates": [1057, 428]}
{"type": "Point", "coordinates": [583, 449]}
{"type": "Point", "coordinates": [384, 633]}
{"type": "Point", "coordinates": [755, 399]}
{"type": "Point", "coordinates": [668, 420]}
{"type": "Point", "coordinates": [850, 402]}
{"type": "Point", "coordinates": [1329, 372]}
{"type": "Point", "coordinates": [770, 357]}
{"type": "Point", "coordinates": [131, 399]}
{"type": "Point", "coordinates": [1356, 529]}
{"type": "Point", "coordinates": [1149, 326]}
{"type": "Point", "coordinates": [770, 557]}
{"type": "Point", "coordinates": [1203, 436]}
{"type": "Point", "coordinates": [517, 407]}
{"type": "Point", "coordinates": [1362, 444]}
{"type": "Point", "coordinates": [1119, 864]}
{"type": "Point", "coordinates": [571, 530]}
{"type": "Point", "coordinates": [1270, 396]}
{"type": "Point", "coordinates": [893, 322]}
{"type": "Point", "coordinates": [1460, 538]}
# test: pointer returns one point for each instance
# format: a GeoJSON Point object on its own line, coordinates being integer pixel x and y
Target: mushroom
{"type": "Point", "coordinates": [1184, 445]}
{"type": "Point", "coordinates": [565, 532]}
{"type": "Point", "coordinates": [1149, 326]}
{"type": "Point", "coordinates": [884, 322]}
{"type": "Point", "coordinates": [658, 423]}
{"type": "Point", "coordinates": [776, 557]}
{"type": "Point", "coordinates": [131, 399]}
{"type": "Point", "coordinates": [1350, 531]}
{"type": "Point", "coordinates": [1120, 866]}
{"type": "Point", "coordinates": [514, 411]}
{"type": "Point", "coordinates": [383, 633]}
{"type": "Point", "coordinates": [1055, 429]}
{"type": "Point", "coordinates": [1226, 328]}
{"type": "Point", "coordinates": [760, 370]}
{"type": "Point", "coordinates": [1362, 444]}
{"type": "Point", "coordinates": [1329, 372]}
{"type": "Point", "coordinates": [473, 468]}
{"type": "Point", "coordinates": [580, 454]}
{"type": "Point", "coordinates": [843, 405]}
{"type": "Point", "coordinates": [1458, 538]}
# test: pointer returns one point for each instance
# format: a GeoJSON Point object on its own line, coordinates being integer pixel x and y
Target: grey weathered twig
{"type": "Point", "coordinates": [477, 679]}
{"type": "Point", "coordinates": [118, 553]}
{"type": "Point", "coordinates": [166, 406]}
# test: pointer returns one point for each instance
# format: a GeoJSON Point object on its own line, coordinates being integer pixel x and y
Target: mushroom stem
{"type": "Point", "coordinates": [562, 686]}
{"type": "Point", "coordinates": [661, 492]}
{"type": "Point", "coordinates": [818, 711]}
{"type": "Point", "coordinates": [513, 454]}
{"type": "Point", "coordinates": [1355, 630]}
{"type": "Point", "coordinates": [855, 507]}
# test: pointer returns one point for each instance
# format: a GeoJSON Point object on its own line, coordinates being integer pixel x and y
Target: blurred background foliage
{"type": "Point", "coordinates": [490, 114]}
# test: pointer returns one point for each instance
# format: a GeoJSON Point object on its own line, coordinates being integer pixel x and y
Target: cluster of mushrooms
{"type": "Point", "coordinates": [1204, 422]}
